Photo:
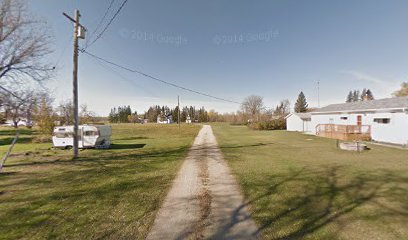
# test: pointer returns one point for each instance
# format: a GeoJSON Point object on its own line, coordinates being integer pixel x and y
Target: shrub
{"type": "Point", "coordinates": [275, 124]}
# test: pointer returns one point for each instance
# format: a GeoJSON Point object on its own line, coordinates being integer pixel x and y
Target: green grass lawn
{"type": "Point", "coordinates": [111, 194]}
{"type": "Point", "coordinates": [302, 187]}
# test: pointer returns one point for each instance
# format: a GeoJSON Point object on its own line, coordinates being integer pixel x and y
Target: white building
{"type": "Point", "coordinates": [300, 122]}
{"type": "Point", "coordinates": [188, 120]}
{"type": "Point", "coordinates": [386, 118]}
{"type": "Point", "coordinates": [168, 119]}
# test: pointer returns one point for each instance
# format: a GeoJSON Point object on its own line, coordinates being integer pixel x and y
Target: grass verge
{"type": "Point", "coordinates": [112, 194]}
{"type": "Point", "coordinates": [302, 187]}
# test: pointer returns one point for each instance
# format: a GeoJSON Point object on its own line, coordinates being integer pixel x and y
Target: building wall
{"type": "Point", "coordinates": [307, 126]}
{"type": "Point", "coordinates": [295, 123]}
{"type": "Point", "coordinates": [396, 131]}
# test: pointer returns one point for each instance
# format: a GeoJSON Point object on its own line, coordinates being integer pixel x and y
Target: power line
{"type": "Point", "coordinates": [109, 23]}
{"type": "Point", "coordinates": [100, 22]}
{"type": "Point", "coordinates": [110, 68]}
{"type": "Point", "coordinates": [157, 79]}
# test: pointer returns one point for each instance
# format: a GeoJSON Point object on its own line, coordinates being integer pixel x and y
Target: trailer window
{"type": "Point", "coordinates": [90, 133]}
{"type": "Point", "coordinates": [63, 135]}
{"type": "Point", "coordinates": [382, 120]}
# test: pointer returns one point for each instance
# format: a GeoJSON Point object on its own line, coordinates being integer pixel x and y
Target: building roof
{"type": "Point", "coordinates": [386, 103]}
{"type": "Point", "coordinates": [303, 116]}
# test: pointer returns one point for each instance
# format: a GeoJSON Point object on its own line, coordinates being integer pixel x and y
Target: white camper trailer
{"type": "Point", "coordinates": [89, 136]}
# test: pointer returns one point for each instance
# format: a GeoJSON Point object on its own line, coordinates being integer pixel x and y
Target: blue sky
{"type": "Point", "coordinates": [231, 49]}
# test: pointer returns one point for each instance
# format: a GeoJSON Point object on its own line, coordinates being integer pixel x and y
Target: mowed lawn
{"type": "Point", "coordinates": [110, 194]}
{"type": "Point", "coordinates": [302, 187]}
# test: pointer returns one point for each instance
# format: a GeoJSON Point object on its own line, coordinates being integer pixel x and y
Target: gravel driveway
{"type": "Point", "coordinates": [205, 201]}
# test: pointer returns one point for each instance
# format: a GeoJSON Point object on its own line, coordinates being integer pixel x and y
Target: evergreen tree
{"type": "Point", "coordinates": [184, 114]}
{"type": "Point", "coordinates": [202, 115]}
{"type": "Point", "coordinates": [370, 95]}
{"type": "Point", "coordinates": [350, 97]}
{"type": "Point", "coordinates": [363, 96]}
{"type": "Point", "coordinates": [175, 114]}
{"type": "Point", "coordinates": [301, 103]}
{"type": "Point", "coordinates": [356, 95]}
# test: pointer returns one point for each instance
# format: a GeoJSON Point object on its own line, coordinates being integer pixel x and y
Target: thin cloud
{"type": "Point", "coordinates": [364, 77]}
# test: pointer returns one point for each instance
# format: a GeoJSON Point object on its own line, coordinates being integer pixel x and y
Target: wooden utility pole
{"type": "Point", "coordinates": [178, 106]}
{"type": "Point", "coordinates": [77, 25]}
{"type": "Point", "coordinates": [318, 94]}
{"type": "Point", "coordinates": [75, 83]}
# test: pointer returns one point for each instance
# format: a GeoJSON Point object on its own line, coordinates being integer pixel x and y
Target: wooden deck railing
{"type": "Point", "coordinates": [344, 132]}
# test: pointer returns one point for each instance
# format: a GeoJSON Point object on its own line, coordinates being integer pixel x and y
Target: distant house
{"type": "Point", "coordinates": [300, 122]}
{"type": "Point", "coordinates": [167, 119]}
{"type": "Point", "coordinates": [383, 120]}
{"type": "Point", "coordinates": [188, 119]}
{"type": "Point", "coordinates": [20, 122]}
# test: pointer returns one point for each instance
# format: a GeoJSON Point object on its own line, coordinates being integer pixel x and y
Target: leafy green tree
{"type": "Point", "coordinates": [403, 91]}
{"type": "Point", "coordinates": [45, 115]}
{"type": "Point", "coordinates": [301, 103]}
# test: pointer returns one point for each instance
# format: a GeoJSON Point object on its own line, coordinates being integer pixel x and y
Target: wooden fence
{"type": "Point", "coordinates": [344, 132]}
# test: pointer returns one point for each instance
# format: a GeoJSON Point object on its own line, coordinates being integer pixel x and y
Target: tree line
{"type": "Point", "coordinates": [124, 114]}
{"type": "Point", "coordinates": [356, 96]}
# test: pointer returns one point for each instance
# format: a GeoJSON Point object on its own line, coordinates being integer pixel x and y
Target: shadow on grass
{"type": "Point", "coordinates": [245, 146]}
{"type": "Point", "coordinates": [12, 132]}
{"type": "Point", "coordinates": [301, 203]}
{"type": "Point", "coordinates": [9, 140]}
{"type": "Point", "coordinates": [78, 195]}
{"type": "Point", "coordinates": [132, 138]}
{"type": "Point", "coordinates": [107, 158]}
{"type": "Point", "coordinates": [127, 146]}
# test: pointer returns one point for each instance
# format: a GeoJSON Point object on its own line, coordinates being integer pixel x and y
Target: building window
{"type": "Point", "coordinates": [343, 118]}
{"type": "Point", "coordinates": [382, 120]}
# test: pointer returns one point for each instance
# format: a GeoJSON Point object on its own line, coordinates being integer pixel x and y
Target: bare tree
{"type": "Point", "coordinates": [23, 45]}
{"type": "Point", "coordinates": [65, 112]}
{"type": "Point", "coordinates": [282, 109]}
{"type": "Point", "coordinates": [253, 105]}
{"type": "Point", "coordinates": [18, 108]}
{"type": "Point", "coordinates": [85, 115]}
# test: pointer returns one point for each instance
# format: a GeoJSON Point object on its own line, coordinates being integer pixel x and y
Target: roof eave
{"type": "Point", "coordinates": [361, 110]}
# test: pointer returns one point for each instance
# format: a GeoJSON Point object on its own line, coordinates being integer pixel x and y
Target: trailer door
{"type": "Point", "coordinates": [80, 138]}
{"type": "Point", "coordinates": [90, 137]}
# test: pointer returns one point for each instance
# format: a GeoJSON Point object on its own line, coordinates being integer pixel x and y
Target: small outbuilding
{"type": "Point", "coordinates": [299, 122]}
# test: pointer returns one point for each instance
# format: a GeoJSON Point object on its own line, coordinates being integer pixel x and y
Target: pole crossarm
{"type": "Point", "coordinates": [73, 20]}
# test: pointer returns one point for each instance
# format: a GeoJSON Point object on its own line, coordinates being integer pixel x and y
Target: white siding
{"type": "Point", "coordinates": [394, 132]}
{"type": "Point", "coordinates": [295, 123]}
